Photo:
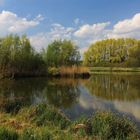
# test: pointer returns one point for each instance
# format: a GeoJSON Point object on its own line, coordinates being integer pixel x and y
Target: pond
{"type": "Point", "coordinates": [119, 93]}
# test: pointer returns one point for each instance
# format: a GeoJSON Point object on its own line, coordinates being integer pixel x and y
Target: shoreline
{"type": "Point", "coordinates": [75, 75]}
{"type": "Point", "coordinates": [114, 69]}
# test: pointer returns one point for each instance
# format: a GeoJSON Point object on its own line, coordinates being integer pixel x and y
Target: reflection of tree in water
{"type": "Point", "coordinates": [17, 93]}
{"type": "Point", "coordinates": [20, 88]}
{"type": "Point", "coordinates": [62, 92]}
{"type": "Point", "coordinates": [120, 87]}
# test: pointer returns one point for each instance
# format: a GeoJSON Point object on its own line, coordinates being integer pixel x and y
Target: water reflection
{"type": "Point", "coordinates": [62, 92]}
{"type": "Point", "coordinates": [115, 87]}
{"type": "Point", "coordinates": [57, 92]}
{"type": "Point", "coordinates": [116, 93]}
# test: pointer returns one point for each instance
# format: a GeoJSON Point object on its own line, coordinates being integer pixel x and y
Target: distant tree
{"type": "Point", "coordinates": [17, 56]}
{"type": "Point", "coordinates": [111, 51]}
{"type": "Point", "coordinates": [134, 55]}
{"type": "Point", "coordinates": [61, 53]}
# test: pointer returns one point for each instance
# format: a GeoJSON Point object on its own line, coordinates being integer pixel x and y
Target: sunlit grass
{"type": "Point", "coordinates": [114, 69]}
{"type": "Point", "coordinates": [43, 122]}
{"type": "Point", "coordinates": [69, 71]}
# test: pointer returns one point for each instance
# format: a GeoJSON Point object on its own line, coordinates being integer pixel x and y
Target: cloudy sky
{"type": "Point", "coordinates": [83, 21]}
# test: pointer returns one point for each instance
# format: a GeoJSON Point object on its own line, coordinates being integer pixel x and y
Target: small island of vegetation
{"type": "Point", "coordinates": [19, 59]}
{"type": "Point", "coordinates": [62, 58]}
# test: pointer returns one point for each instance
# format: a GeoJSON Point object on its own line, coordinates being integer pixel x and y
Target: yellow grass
{"type": "Point", "coordinates": [73, 70]}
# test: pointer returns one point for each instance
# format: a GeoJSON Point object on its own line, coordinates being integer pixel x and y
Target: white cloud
{"type": "Point", "coordinates": [87, 30]}
{"type": "Point", "coordinates": [11, 23]}
{"type": "Point", "coordinates": [56, 32]}
{"type": "Point", "coordinates": [60, 32]}
{"type": "Point", "coordinates": [39, 41]}
{"type": "Point", "coordinates": [127, 28]}
{"type": "Point", "coordinates": [39, 18]}
{"type": "Point", "coordinates": [83, 35]}
{"type": "Point", "coordinates": [86, 34]}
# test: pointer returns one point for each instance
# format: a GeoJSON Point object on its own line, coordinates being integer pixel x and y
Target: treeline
{"type": "Point", "coordinates": [113, 52]}
{"type": "Point", "coordinates": [18, 58]}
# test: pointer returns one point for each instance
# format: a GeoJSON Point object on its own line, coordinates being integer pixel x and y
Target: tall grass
{"type": "Point", "coordinates": [6, 134]}
{"type": "Point", "coordinates": [108, 126]}
{"type": "Point", "coordinates": [69, 71]}
{"type": "Point", "coordinates": [46, 123]}
{"type": "Point", "coordinates": [74, 71]}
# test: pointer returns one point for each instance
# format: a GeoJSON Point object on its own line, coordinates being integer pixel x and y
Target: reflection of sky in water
{"type": "Point", "coordinates": [87, 104]}
{"type": "Point", "coordinates": [120, 94]}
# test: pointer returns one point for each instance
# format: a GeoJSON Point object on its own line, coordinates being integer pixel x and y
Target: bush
{"type": "Point", "coordinates": [53, 71]}
{"type": "Point", "coordinates": [44, 115]}
{"type": "Point", "coordinates": [107, 126]}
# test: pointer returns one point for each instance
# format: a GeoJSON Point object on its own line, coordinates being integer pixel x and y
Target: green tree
{"type": "Point", "coordinates": [112, 52]}
{"type": "Point", "coordinates": [61, 53]}
{"type": "Point", "coordinates": [17, 57]}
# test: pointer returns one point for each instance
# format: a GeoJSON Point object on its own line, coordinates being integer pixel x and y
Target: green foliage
{"type": "Point", "coordinates": [134, 55]}
{"type": "Point", "coordinates": [53, 71]}
{"type": "Point", "coordinates": [17, 57]}
{"type": "Point", "coordinates": [108, 126]}
{"type": "Point", "coordinates": [6, 134]}
{"type": "Point", "coordinates": [44, 115]}
{"type": "Point", "coordinates": [29, 134]}
{"type": "Point", "coordinates": [100, 126]}
{"type": "Point", "coordinates": [113, 52]}
{"type": "Point", "coordinates": [61, 53]}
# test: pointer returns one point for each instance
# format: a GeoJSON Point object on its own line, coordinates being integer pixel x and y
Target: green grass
{"type": "Point", "coordinates": [7, 134]}
{"type": "Point", "coordinates": [113, 69]}
{"type": "Point", "coordinates": [43, 122]}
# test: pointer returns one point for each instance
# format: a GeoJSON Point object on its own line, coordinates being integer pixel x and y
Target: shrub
{"type": "Point", "coordinates": [44, 115]}
{"type": "Point", "coordinates": [53, 71]}
{"type": "Point", "coordinates": [107, 126]}
{"type": "Point", "coordinates": [111, 126]}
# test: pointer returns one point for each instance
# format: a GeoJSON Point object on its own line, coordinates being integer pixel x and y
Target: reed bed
{"type": "Point", "coordinates": [74, 71]}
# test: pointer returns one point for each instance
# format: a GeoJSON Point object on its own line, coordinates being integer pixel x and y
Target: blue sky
{"type": "Point", "coordinates": [84, 21]}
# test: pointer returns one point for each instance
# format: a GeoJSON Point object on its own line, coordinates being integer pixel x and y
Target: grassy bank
{"type": "Point", "coordinates": [42, 122]}
{"type": "Point", "coordinates": [113, 69]}
{"type": "Point", "coordinates": [63, 71]}
{"type": "Point", "coordinates": [71, 72]}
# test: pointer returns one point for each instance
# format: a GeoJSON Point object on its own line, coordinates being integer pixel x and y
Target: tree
{"type": "Point", "coordinates": [61, 53]}
{"type": "Point", "coordinates": [112, 52]}
{"type": "Point", "coordinates": [17, 57]}
{"type": "Point", "coordinates": [134, 55]}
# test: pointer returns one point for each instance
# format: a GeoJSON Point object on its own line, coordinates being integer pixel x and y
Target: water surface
{"type": "Point", "coordinates": [119, 93]}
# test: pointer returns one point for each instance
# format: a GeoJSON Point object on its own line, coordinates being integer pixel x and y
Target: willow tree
{"type": "Point", "coordinates": [111, 51]}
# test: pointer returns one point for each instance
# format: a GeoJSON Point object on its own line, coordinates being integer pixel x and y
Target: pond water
{"type": "Point", "coordinates": [119, 93]}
